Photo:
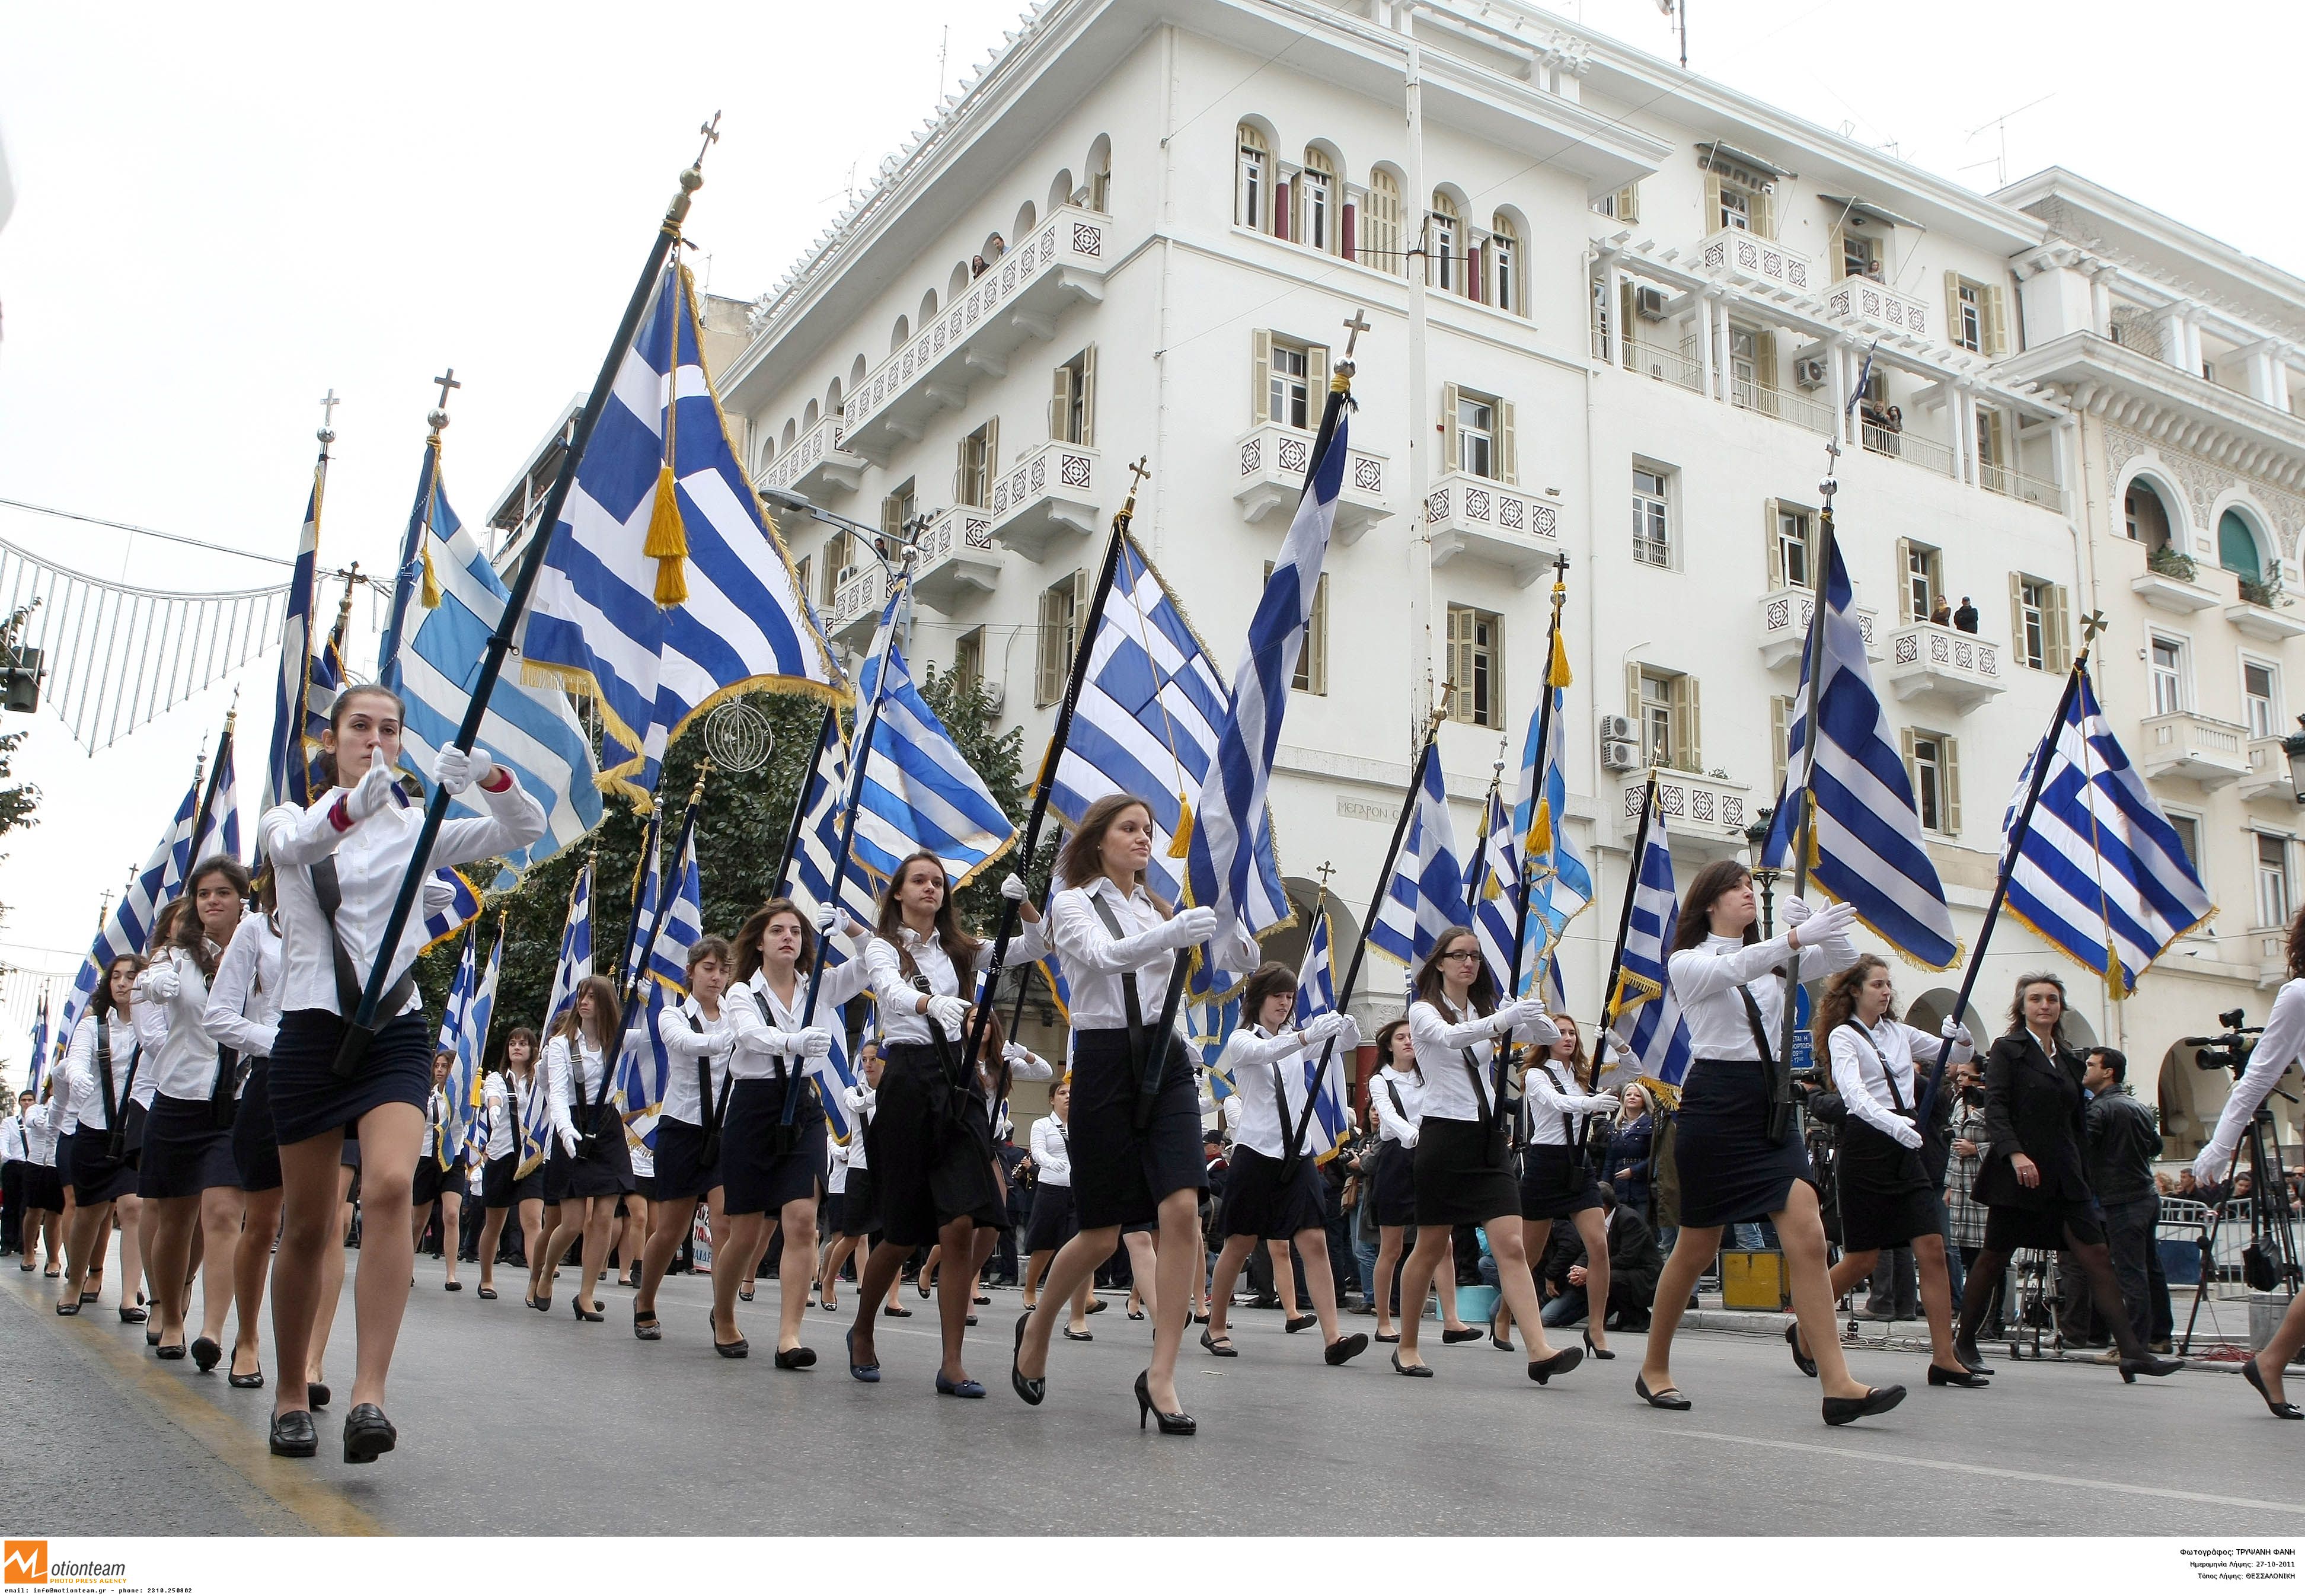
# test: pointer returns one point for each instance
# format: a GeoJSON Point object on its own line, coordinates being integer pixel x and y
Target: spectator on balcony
{"type": "Point", "coordinates": [1941, 613]}
{"type": "Point", "coordinates": [1965, 618]}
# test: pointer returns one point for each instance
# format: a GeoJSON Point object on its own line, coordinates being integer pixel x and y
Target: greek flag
{"type": "Point", "coordinates": [1223, 867]}
{"type": "Point", "coordinates": [1560, 883]}
{"type": "Point", "coordinates": [1865, 846]}
{"type": "Point", "coordinates": [915, 791]}
{"type": "Point", "coordinates": [1212, 1022]}
{"type": "Point", "coordinates": [463, 908]}
{"type": "Point", "coordinates": [287, 771]}
{"type": "Point", "coordinates": [1649, 1024]}
{"type": "Point", "coordinates": [1426, 893]}
{"type": "Point", "coordinates": [220, 825]}
{"type": "Point", "coordinates": [128, 929]}
{"type": "Point", "coordinates": [535, 1127]}
{"type": "Point", "coordinates": [1147, 724]}
{"type": "Point", "coordinates": [2100, 874]}
{"type": "Point", "coordinates": [809, 877]}
{"type": "Point", "coordinates": [1492, 888]}
{"type": "Point", "coordinates": [663, 590]}
{"type": "Point", "coordinates": [575, 961]}
{"type": "Point", "coordinates": [39, 1060]}
{"type": "Point", "coordinates": [647, 886]}
{"type": "Point", "coordinates": [446, 600]}
{"type": "Point", "coordinates": [646, 1075]}
{"type": "Point", "coordinates": [1316, 994]}
{"type": "Point", "coordinates": [464, 1032]}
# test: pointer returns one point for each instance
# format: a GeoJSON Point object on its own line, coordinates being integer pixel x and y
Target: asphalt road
{"type": "Point", "coordinates": [516, 1423]}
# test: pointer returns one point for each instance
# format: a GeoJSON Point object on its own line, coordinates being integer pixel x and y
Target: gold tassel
{"type": "Point", "coordinates": [1180, 842]}
{"type": "Point", "coordinates": [668, 542]}
{"type": "Point", "coordinates": [430, 597]}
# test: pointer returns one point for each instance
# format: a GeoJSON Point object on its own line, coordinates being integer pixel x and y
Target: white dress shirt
{"type": "Point", "coordinates": [1551, 1106]}
{"type": "Point", "coordinates": [1250, 1054]}
{"type": "Point", "coordinates": [1094, 960]}
{"type": "Point", "coordinates": [1397, 1123]}
{"type": "Point", "coordinates": [564, 1066]}
{"type": "Point", "coordinates": [40, 1124]}
{"type": "Point", "coordinates": [883, 969]}
{"type": "Point", "coordinates": [2282, 1041]}
{"type": "Point", "coordinates": [861, 1101]}
{"type": "Point", "coordinates": [13, 1147]}
{"type": "Point", "coordinates": [766, 1049]}
{"type": "Point", "coordinates": [1704, 980]}
{"type": "Point", "coordinates": [715, 1042]}
{"type": "Point", "coordinates": [498, 1111]}
{"type": "Point", "coordinates": [835, 1174]}
{"type": "Point", "coordinates": [372, 857]}
{"type": "Point", "coordinates": [1052, 1154]}
{"type": "Point", "coordinates": [243, 1010]}
{"type": "Point", "coordinates": [184, 1066]}
{"type": "Point", "coordinates": [79, 1098]}
{"type": "Point", "coordinates": [1443, 1038]}
{"type": "Point", "coordinates": [1862, 1074]}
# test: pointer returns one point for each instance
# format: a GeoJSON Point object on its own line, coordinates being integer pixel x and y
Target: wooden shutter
{"type": "Point", "coordinates": [892, 520]}
{"type": "Point", "coordinates": [1712, 204]}
{"type": "Point", "coordinates": [1088, 397]}
{"type": "Point", "coordinates": [1629, 203]}
{"type": "Point", "coordinates": [1837, 260]}
{"type": "Point", "coordinates": [1314, 666]}
{"type": "Point", "coordinates": [1626, 322]}
{"type": "Point", "coordinates": [1905, 616]}
{"type": "Point", "coordinates": [1477, 273]}
{"type": "Point", "coordinates": [1508, 446]}
{"type": "Point", "coordinates": [1765, 212]}
{"type": "Point", "coordinates": [1316, 382]}
{"type": "Point", "coordinates": [1953, 309]}
{"type": "Point", "coordinates": [2058, 644]}
{"type": "Point", "coordinates": [1776, 554]}
{"type": "Point", "coordinates": [992, 456]}
{"type": "Point", "coordinates": [1060, 402]}
{"type": "Point", "coordinates": [1912, 770]}
{"type": "Point", "coordinates": [1048, 684]}
{"type": "Point", "coordinates": [1260, 376]}
{"type": "Point", "coordinates": [1688, 731]}
{"type": "Point", "coordinates": [1459, 676]}
{"type": "Point", "coordinates": [1448, 427]}
{"type": "Point", "coordinates": [1765, 360]}
{"type": "Point", "coordinates": [1780, 735]}
{"type": "Point", "coordinates": [2017, 618]}
{"type": "Point", "coordinates": [1996, 322]}
{"type": "Point", "coordinates": [1633, 701]}
{"type": "Point", "coordinates": [1949, 780]}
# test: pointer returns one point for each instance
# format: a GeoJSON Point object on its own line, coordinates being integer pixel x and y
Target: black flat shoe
{"type": "Point", "coordinates": [1455, 1338]}
{"type": "Point", "coordinates": [798, 1357]}
{"type": "Point", "coordinates": [1171, 1424]}
{"type": "Point", "coordinates": [1306, 1322]}
{"type": "Point", "coordinates": [1967, 1353]}
{"type": "Point", "coordinates": [646, 1327]}
{"type": "Point", "coordinates": [1135, 1313]}
{"type": "Point", "coordinates": [960, 1387]}
{"type": "Point", "coordinates": [982, 1302]}
{"type": "Point", "coordinates": [134, 1315]}
{"type": "Point", "coordinates": [921, 1285]}
{"type": "Point", "coordinates": [1880, 1399]}
{"type": "Point", "coordinates": [1033, 1391]}
{"type": "Point", "coordinates": [2256, 1378]}
{"type": "Point", "coordinates": [293, 1435]}
{"type": "Point", "coordinates": [1097, 1305]}
{"type": "Point", "coordinates": [893, 1311]}
{"type": "Point", "coordinates": [542, 1304]}
{"type": "Point", "coordinates": [577, 1308]}
{"type": "Point", "coordinates": [246, 1382]}
{"type": "Point", "coordinates": [1963, 1376]}
{"type": "Point", "coordinates": [1541, 1370]}
{"type": "Point", "coordinates": [1073, 1334]}
{"type": "Point", "coordinates": [68, 1310]}
{"type": "Point", "coordinates": [1344, 1349]}
{"type": "Point", "coordinates": [1218, 1346]}
{"type": "Point", "coordinates": [1801, 1360]}
{"type": "Point", "coordinates": [206, 1353]}
{"type": "Point", "coordinates": [1414, 1371]}
{"type": "Point", "coordinates": [744, 1296]}
{"type": "Point", "coordinates": [1200, 1318]}
{"type": "Point", "coordinates": [2130, 1368]}
{"type": "Point", "coordinates": [89, 1296]}
{"type": "Point", "coordinates": [317, 1394]}
{"type": "Point", "coordinates": [738, 1348]}
{"type": "Point", "coordinates": [1380, 1335]}
{"type": "Point", "coordinates": [451, 1286]}
{"type": "Point", "coordinates": [1600, 1353]}
{"type": "Point", "coordinates": [170, 1354]}
{"type": "Point", "coordinates": [487, 1293]}
{"type": "Point", "coordinates": [369, 1435]}
{"type": "Point", "coordinates": [1670, 1398]}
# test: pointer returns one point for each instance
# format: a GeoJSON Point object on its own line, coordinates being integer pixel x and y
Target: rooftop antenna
{"type": "Point", "coordinates": [943, 46]}
{"type": "Point", "coordinates": [1678, 11]}
{"type": "Point", "coordinates": [2000, 162]}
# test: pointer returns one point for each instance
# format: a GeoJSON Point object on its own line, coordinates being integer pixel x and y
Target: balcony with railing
{"type": "Point", "coordinates": [2213, 753]}
{"type": "Point", "coordinates": [1942, 661]}
{"type": "Point", "coordinates": [2266, 614]}
{"type": "Point", "coordinates": [2268, 774]}
{"type": "Point", "coordinates": [1747, 257]}
{"type": "Point", "coordinates": [954, 558]}
{"type": "Point", "coordinates": [2168, 582]}
{"type": "Point", "coordinates": [818, 464]}
{"type": "Point", "coordinates": [1050, 492]}
{"type": "Point", "coordinates": [2012, 483]}
{"type": "Point", "coordinates": [1783, 404]}
{"type": "Point", "coordinates": [1272, 459]}
{"type": "Point", "coordinates": [1876, 304]}
{"type": "Point", "coordinates": [1059, 264]}
{"type": "Point", "coordinates": [1682, 370]}
{"type": "Point", "coordinates": [858, 599]}
{"type": "Point", "coordinates": [1507, 526]}
{"type": "Point", "coordinates": [1895, 444]}
{"type": "Point", "coordinates": [1784, 626]}
{"type": "Point", "coordinates": [1705, 814]}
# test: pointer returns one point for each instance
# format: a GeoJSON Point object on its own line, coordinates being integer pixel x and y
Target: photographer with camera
{"type": "Point", "coordinates": [2280, 1046]}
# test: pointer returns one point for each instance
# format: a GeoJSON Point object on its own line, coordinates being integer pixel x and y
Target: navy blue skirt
{"type": "Point", "coordinates": [1121, 1173]}
{"type": "Point", "coordinates": [185, 1152]}
{"type": "Point", "coordinates": [1259, 1202]}
{"type": "Point", "coordinates": [1052, 1223]}
{"type": "Point", "coordinates": [308, 1098]}
{"type": "Point", "coordinates": [931, 1156]}
{"type": "Point", "coordinates": [65, 1158]}
{"type": "Point", "coordinates": [1730, 1172]}
{"type": "Point", "coordinates": [755, 1177]}
{"type": "Point", "coordinates": [1554, 1185]}
{"type": "Point", "coordinates": [44, 1190]}
{"type": "Point", "coordinates": [1393, 1190]}
{"type": "Point", "coordinates": [860, 1212]}
{"type": "Point", "coordinates": [502, 1186]}
{"type": "Point", "coordinates": [430, 1183]}
{"type": "Point", "coordinates": [96, 1176]}
{"type": "Point", "coordinates": [681, 1170]}
{"type": "Point", "coordinates": [255, 1145]}
{"type": "Point", "coordinates": [607, 1173]}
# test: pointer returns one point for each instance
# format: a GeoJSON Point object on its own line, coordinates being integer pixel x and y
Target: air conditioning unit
{"type": "Point", "coordinates": [1621, 756]}
{"type": "Point", "coordinates": [995, 694]}
{"type": "Point", "coordinates": [1648, 303]}
{"type": "Point", "coordinates": [1809, 373]}
{"type": "Point", "coordinates": [1618, 728]}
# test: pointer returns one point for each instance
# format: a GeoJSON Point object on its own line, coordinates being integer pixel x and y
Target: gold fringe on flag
{"type": "Point", "coordinates": [1180, 841]}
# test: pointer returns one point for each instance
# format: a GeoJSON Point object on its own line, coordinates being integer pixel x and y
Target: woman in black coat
{"type": "Point", "coordinates": [2034, 1180]}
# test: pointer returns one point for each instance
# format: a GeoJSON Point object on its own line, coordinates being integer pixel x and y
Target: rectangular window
{"type": "Point", "coordinates": [1663, 705]}
{"type": "Point", "coordinates": [2273, 902]}
{"type": "Point", "coordinates": [1781, 716]}
{"type": "Point", "coordinates": [2032, 623]}
{"type": "Point", "coordinates": [1924, 578]}
{"type": "Point", "coordinates": [1968, 332]}
{"type": "Point", "coordinates": [1504, 265]}
{"type": "Point", "coordinates": [1312, 659]}
{"type": "Point", "coordinates": [1476, 667]}
{"type": "Point", "coordinates": [1313, 196]}
{"type": "Point", "coordinates": [1975, 319]}
{"type": "Point", "coordinates": [1860, 257]}
{"type": "Point", "coordinates": [978, 464]}
{"type": "Point", "coordinates": [1931, 760]}
{"type": "Point", "coordinates": [1792, 535]}
{"type": "Point", "coordinates": [2261, 696]}
{"type": "Point", "coordinates": [1652, 536]}
{"type": "Point", "coordinates": [2168, 669]}
{"type": "Point", "coordinates": [1061, 605]}
{"type": "Point", "coordinates": [1476, 436]}
{"type": "Point", "coordinates": [1443, 265]}
{"type": "Point", "coordinates": [839, 555]}
{"type": "Point", "coordinates": [968, 657]}
{"type": "Point", "coordinates": [1290, 399]}
{"type": "Point", "coordinates": [2188, 834]}
{"type": "Point", "coordinates": [1736, 207]}
{"type": "Point", "coordinates": [1249, 189]}
{"type": "Point", "coordinates": [1072, 408]}
{"type": "Point", "coordinates": [1624, 205]}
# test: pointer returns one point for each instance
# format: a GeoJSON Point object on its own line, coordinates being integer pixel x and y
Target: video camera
{"type": "Point", "coordinates": [2228, 1051]}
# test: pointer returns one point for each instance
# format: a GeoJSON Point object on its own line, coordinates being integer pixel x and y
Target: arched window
{"type": "Point", "coordinates": [958, 286]}
{"type": "Point", "coordinates": [1060, 188]}
{"type": "Point", "coordinates": [1318, 221]}
{"type": "Point", "coordinates": [1505, 264]}
{"type": "Point", "coordinates": [1027, 218]}
{"type": "Point", "coordinates": [2144, 517]}
{"type": "Point", "coordinates": [1099, 175]}
{"type": "Point", "coordinates": [2237, 549]}
{"type": "Point", "coordinates": [855, 376]}
{"type": "Point", "coordinates": [811, 416]}
{"type": "Point", "coordinates": [832, 398]}
{"type": "Point", "coordinates": [1380, 241]}
{"type": "Point", "coordinates": [928, 307]}
{"type": "Point", "coordinates": [1444, 243]}
{"type": "Point", "coordinates": [791, 432]}
{"type": "Point", "coordinates": [1252, 199]}
{"type": "Point", "coordinates": [898, 333]}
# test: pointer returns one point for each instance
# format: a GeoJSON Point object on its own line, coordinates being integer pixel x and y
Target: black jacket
{"type": "Point", "coordinates": [1634, 1261]}
{"type": "Point", "coordinates": [2124, 1140]}
{"type": "Point", "coordinates": [2033, 1106]}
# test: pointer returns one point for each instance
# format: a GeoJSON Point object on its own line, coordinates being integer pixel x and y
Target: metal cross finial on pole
{"type": "Point", "coordinates": [1354, 327]}
{"type": "Point", "coordinates": [712, 131]}
{"type": "Point", "coordinates": [439, 416]}
{"type": "Point", "coordinates": [1324, 872]}
{"type": "Point", "coordinates": [329, 403]}
{"type": "Point", "coordinates": [2092, 624]}
{"type": "Point", "coordinates": [1138, 471]}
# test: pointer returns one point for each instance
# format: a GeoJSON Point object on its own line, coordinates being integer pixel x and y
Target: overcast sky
{"type": "Point", "coordinates": [222, 213]}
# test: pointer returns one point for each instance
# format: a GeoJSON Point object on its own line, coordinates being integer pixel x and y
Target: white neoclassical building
{"type": "Point", "coordinates": [1615, 311]}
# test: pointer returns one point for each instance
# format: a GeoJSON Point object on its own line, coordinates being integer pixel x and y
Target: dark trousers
{"type": "Point", "coordinates": [1896, 1285]}
{"type": "Point", "coordinates": [471, 1216]}
{"type": "Point", "coordinates": [11, 1206]}
{"type": "Point", "coordinates": [1340, 1226]}
{"type": "Point", "coordinates": [2128, 1233]}
{"type": "Point", "coordinates": [2162, 1319]}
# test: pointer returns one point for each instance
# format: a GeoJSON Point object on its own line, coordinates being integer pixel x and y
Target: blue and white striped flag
{"type": "Point", "coordinates": [659, 639]}
{"type": "Point", "coordinates": [647, 887]}
{"type": "Point", "coordinates": [1146, 723]}
{"type": "Point", "coordinates": [1864, 846]}
{"type": "Point", "coordinates": [220, 827]}
{"type": "Point", "coordinates": [463, 907]}
{"type": "Point", "coordinates": [809, 879]}
{"type": "Point", "coordinates": [1493, 887]}
{"type": "Point", "coordinates": [2101, 874]}
{"type": "Point", "coordinates": [1223, 869]}
{"type": "Point", "coordinates": [1647, 1014]}
{"type": "Point", "coordinates": [575, 961]}
{"type": "Point", "coordinates": [1316, 994]}
{"type": "Point", "coordinates": [1212, 1023]}
{"type": "Point", "coordinates": [915, 791]}
{"type": "Point", "coordinates": [447, 601]}
{"type": "Point", "coordinates": [1426, 893]}
{"type": "Point", "coordinates": [39, 1057]}
{"type": "Point", "coordinates": [1559, 882]}
{"type": "Point", "coordinates": [455, 1021]}
{"type": "Point", "coordinates": [665, 982]}
{"type": "Point", "coordinates": [128, 929]}
{"type": "Point", "coordinates": [467, 1081]}
{"type": "Point", "coordinates": [535, 1126]}
{"type": "Point", "coordinates": [288, 771]}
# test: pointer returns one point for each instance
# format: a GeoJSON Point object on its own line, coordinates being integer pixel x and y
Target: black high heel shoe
{"type": "Point", "coordinates": [246, 1382]}
{"type": "Point", "coordinates": [2256, 1378]}
{"type": "Point", "coordinates": [1880, 1399]}
{"type": "Point", "coordinates": [577, 1308]}
{"type": "Point", "coordinates": [206, 1353]}
{"type": "Point", "coordinates": [1171, 1424]}
{"type": "Point", "coordinates": [1801, 1360]}
{"type": "Point", "coordinates": [1033, 1391]}
{"type": "Point", "coordinates": [134, 1315]}
{"type": "Point", "coordinates": [1963, 1376]}
{"type": "Point", "coordinates": [1601, 1353]}
{"type": "Point", "coordinates": [2130, 1368]}
{"type": "Point", "coordinates": [1541, 1370]}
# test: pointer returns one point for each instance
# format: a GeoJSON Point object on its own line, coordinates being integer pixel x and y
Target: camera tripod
{"type": "Point", "coordinates": [2268, 1212]}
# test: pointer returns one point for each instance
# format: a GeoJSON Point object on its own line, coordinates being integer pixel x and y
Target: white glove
{"type": "Point", "coordinates": [1013, 1054]}
{"type": "Point", "coordinates": [950, 1014]}
{"type": "Point", "coordinates": [1321, 1027]}
{"type": "Point", "coordinates": [375, 790]}
{"type": "Point", "coordinates": [825, 915]}
{"type": "Point", "coordinates": [1350, 1037]}
{"type": "Point", "coordinates": [1519, 1012]}
{"type": "Point", "coordinates": [1012, 889]}
{"type": "Point", "coordinates": [568, 1141]}
{"type": "Point", "coordinates": [162, 982]}
{"type": "Point", "coordinates": [1796, 911]}
{"type": "Point", "coordinates": [438, 895]}
{"type": "Point", "coordinates": [1954, 1031]}
{"type": "Point", "coordinates": [455, 770]}
{"type": "Point", "coordinates": [1825, 925]}
{"type": "Point", "coordinates": [816, 1042]}
{"type": "Point", "coordinates": [1190, 927]}
{"type": "Point", "coordinates": [1908, 1135]}
{"type": "Point", "coordinates": [2210, 1168]}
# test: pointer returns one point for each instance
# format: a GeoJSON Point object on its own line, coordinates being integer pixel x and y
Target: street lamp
{"type": "Point", "coordinates": [1757, 836]}
{"type": "Point", "coordinates": [2293, 747]}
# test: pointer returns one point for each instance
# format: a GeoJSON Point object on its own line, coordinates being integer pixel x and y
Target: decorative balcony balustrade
{"type": "Point", "coordinates": [1271, 461]}
{"type": "Point", "coordinates": [1050, 492]}
{"type": "Point", "coordinates": [1958, 667]}
{"type": "Point", "coordinates": [818, 464]}
{"type": "Point", "coordinates": [954, 558]}
{"type": "Point", "coordinates": [1489, 520]}
{"type": "Point", "coordinates": [1705, 814]}
{"type": "Point", "coordinates": [1784, 626]}
{"type": "Point", "coordinates": [1748, 258]}
{"type": "Point", "coordinates": [2268, 774]}
{"type": "Point", "coordinates": [1876, 304]}
{"type": "Point", "coordinates": [2213, 753]}
{"type": "Point", "coordinates": [857, 601]}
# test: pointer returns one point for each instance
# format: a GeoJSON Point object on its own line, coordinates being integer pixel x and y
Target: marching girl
{"type": "Point", "coordinates": [244, 1015]}
{"type": "Point", "coordinates": [1263, 1202]}
{"type": "Point", "coordinates": [1887, 1198]}
{"type": "Point", "coordinates": [1555, 1184]}
{"type": "Point", "coordinates": [93, 1095]}
{"type": "Point", "coordinates": [595, 1169]}
{"type": "Point", "coordinates": [338, 867]}
{"type": "Point", "coordinates": [432, 1180]}
{"type": "Point", "coordinates": [1730, 988]}
{"type": "Point", "coordinates": [1053, 1222]}
{"type": "Point", "coordinates": [1132, 1161]}
{"type": "Point", "coordinates": [700, 1037]}
{"type": "Point", "coordinates": [1016, 1062]}
{"type": "Point", "coordinates": [1397, 1094]}
{"type": "Point", "coordinates": [44, 1191]}
{"type": "Point", "coordinates": [509, 1100]}
{"type": "Point", "coordinates": [933, 1158]}
{"type": "Point", "coordinates": [859, 1207]}
{"type": "Point", "coordinates": [1461, 1177]}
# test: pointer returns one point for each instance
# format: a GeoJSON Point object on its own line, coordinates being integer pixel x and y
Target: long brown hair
{"type": "Point", "coordinates": [190, 934]}
{"type": "Point", "coordinates": [521, 1033]}
{"type": "Point", "coordinates": [607, 1011]}
{"type": "Point", "coordinates": [2297, 947]}
{"type": "Point", "coordinates": [1271, 979]}
{"type": "Point", "coordinates": [336, 712]}
{"type": "Point", "coordinates": [958, 944]}
{"type": "Point", "coordinates": [1580, 1062]}
{"type": "Point", "coordinates": [1384, 1045]}
{"type": "Point", "coordinates": [756, 926]}
{"type": "Point", "coordinates": [1838, 1004]}
{"type": "Point", "coordinates": [102, 1006]}
{"type": "Point", "coordinates": [2039, 978]}
{"type": "Point", "coordinates": [1696, 922]}
{"type": "Point", "coordinates": [1430, 989]}
{"type": "Point", "coordinates": [1083, 859]}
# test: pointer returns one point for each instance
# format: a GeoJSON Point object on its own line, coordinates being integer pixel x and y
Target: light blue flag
{"type": "Point", "coordinates": [1865, 844]}
{"type": "Point", "coordinates": [647, 887]}
{"type": "Point", "coordinates": [1426, 893]}
{"type": "Point", "coordinates": [287, 771]}
{"type": "Point", "coordinates": [447, 601]}
{"type": "Point", "coordinates": [127, 928]}
{"type": "Point", "coordinates": [731, 618]}
{"type": "Point", "coordinates": [466, 1080]}
{"type": "Point", "coordinates": [455, 1025]}
{"type": "Point", "coordinates": [2101, 874]}
{"type": "Point", "coordinates": [1331, 1125]}
{"type": "Point", "coordinates": [575, 961]}
{"type": "Point", "coordinates": [1648, 1016]}
{"type": "Point", "coordinates": [1559, 882]}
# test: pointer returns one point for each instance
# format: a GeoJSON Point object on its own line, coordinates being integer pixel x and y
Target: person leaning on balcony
{"type": "Point", "coordinates": [1941, 613]}
{"type": "Point", "coordinates": [1965, 618]}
